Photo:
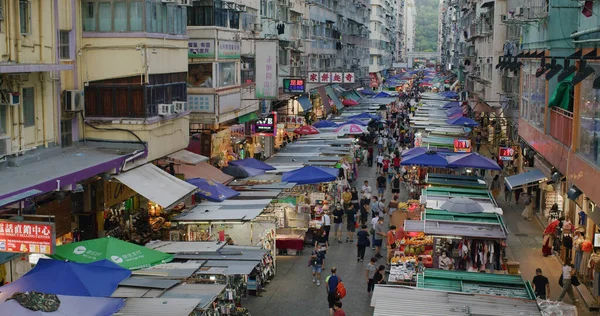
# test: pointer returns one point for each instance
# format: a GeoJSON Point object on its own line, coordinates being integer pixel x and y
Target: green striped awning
{"type": "Point", "coordinates": [252, 116]}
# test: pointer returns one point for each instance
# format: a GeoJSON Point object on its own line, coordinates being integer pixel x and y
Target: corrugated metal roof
{"type": "Point", "coordinates": [230, 210]}
{"type": "Point", "coordinates": [185, 246]}
{"type": "Point", "coordinates": [187, 157]}
{"type": "Point", "coordinates": [389, 300]}
{"type": "Point", "coordinates": [233, 267]}
{"type": "Point", "coordinates": [128, 291]}
{"type": "Point", "coordinates": [149, 283]}
{"type": "Point", "coordinates": [474, 230]}
{"type": "Point", "coordinates": [172, 270]}
{"type": "Point", "coordinates": [158, 306]}
{"type": "Point", "coordinates": [240, 253]}
{"type": "Point", "coordinates": [207, 293]}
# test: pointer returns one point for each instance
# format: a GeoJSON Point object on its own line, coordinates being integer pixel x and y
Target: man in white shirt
{"type": "Point", "coordinates": [374, 221]}
{"type": "Point", "coordinates": [326, 221]}
{"type": "Point", "coordinates": [366, 190]}
{"type": "Point", "coordinates": [379, 162]}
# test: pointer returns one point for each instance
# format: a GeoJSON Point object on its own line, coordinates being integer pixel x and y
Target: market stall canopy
{"type": "Point", "coordinates": [187, 157]}
{"type": "Point", "coordinates": [451, 105]}
{"type": "Point", "coordinates": [230, 210]}
{"type": "Point", "coordinates": [351, 129]}
{"type": "Point", "coordinates": [239, 172]}
{"type": "Point", "coordinates": [349, 102]}
{"type": "Point", "coordinates": [305, 102]}
{"type": "Point", "coordinates": [525, 178]}
{"type": "Point", "coordinates": [462, 205]}
{"type": "Point", "coordinates": [462, 121]}
{"type": "Point", "coordinates": [252, 163]}
{"type": "Point", "coordinates": [365, 116]}
{"type": "Point", "coordinates": [324, 124]}
{"type": "Point", "coordinates": [354, 121]}
{"type": "Point", "coordinates": [159, 306]}
{"type": "Point", "coordinates": [310, 175]}
{"type": "Point", "coordinates": [207, 293]}
{"type": "Point", "coordinates": [127, 255]}
{"type": "Point", "coordinates": [427, 159]}
{"type": "Point", "coordinates": [454, 111]}
{"type": "Point", "coordinates": [156, 185]}
{"type": "Point", "coordinates": [421, 150]}
{"type": "Point", "coordinates": [381, 95]}
{"type": "Point", "coordinates": [212, 191]}
{"type": "Point", "coordinates": [97, 279]}
{"type": "Point", "coordinates": [367, 92]}
{"type": "Point", "coordinates": [69, 306]}
{"type": "Point", "coordinates": [203, 170]}
{"type": "Point", "coordinates": [472, 160]}
{"type": "Point", "coordinates": [306, 130]}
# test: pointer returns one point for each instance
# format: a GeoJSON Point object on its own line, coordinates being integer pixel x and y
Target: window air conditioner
{"type": "Point", "coordinates": [165, 109]}
{"type": "Point", "coordinates": [5, 146]}
{"type": "Point", "coordinates": [12, 99]}
{"type": "Point", "coordinates": [74, 100]}
{"type": "Point", "coordinates": [168, 1]}
{"type": "Point", "coordinates": [179, 106]}
{"type": "Point", "coordinates": [184, 2]}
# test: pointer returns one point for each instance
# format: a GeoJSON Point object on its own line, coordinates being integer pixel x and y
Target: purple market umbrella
{"type": "Point", "coordinates": [367, 92]}
{"type": "Point", "coordinates": [365, 116]}
{"type": "Point", "coordinates": [252, 163]}
{"type": "Point", "coordinates": [472, 160]}
{"type": "Point", "coordinates": [381, 95]}
{"type": "Point", "coordinates": [454, 111]}
{"type": "Point", "coordinates": [427, 159]}
{"type": "Point", "coordinates": [354, 121]}
{"type": "Point", "coordinates": [239, 172]}
{"type": "Point", "coordinates": [212, 190]}
{"type": "Point", "coordinates": [310, 175]}
{"type": "Point", "coordinates": [451, 105]}
{"type": "Point", "coordinates": [462, 121]}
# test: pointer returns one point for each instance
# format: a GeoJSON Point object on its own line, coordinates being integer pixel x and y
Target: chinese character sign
{"type": "Point", "coordinates": [204, 103]}
{"type": "Point", "coordinates": [337, 77]}
{"type": "Point", "coordinates": [266, 70]}
{"type": "Point", "coordinates": [229, 50]}
{"type": "Point", "coordinates": [313, 77]}
{"type": "Point", "coordinates": [31, 237]}
{"type": "Point", "coordinates": [348, 77]}
{"type": "Point", "coordinates": [293, 86]}
{"type": "Point", "coordinates": [324, 77]}
{"type": "Point", "coordinates": [201, 48]}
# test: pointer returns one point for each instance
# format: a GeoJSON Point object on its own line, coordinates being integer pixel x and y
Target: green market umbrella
{"type": "Point", "coordinates": [127, 255]}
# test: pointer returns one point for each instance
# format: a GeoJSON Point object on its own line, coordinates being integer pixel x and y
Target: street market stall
{"type": "Point", "coordinates": [433, 197]}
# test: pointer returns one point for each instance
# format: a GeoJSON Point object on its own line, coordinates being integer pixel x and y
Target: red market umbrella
{"type": "Point", "coordinates": [349, 102]}
{"type": "Point", "coordinates": [551, 228]}
{"type": "Point", "coordinates": [306, 130]}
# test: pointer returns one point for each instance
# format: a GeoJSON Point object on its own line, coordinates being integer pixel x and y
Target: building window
{"type": "Point", "coordinates": [3, 119]}
{"type": "Point", "coordinates": [227, 74]}
{"type": "Point", "coordinates": [66, 133]}
{"type": "Point", "coordinates": [64, 45]}
{"type": "Point", "coordinates": [25, 17]}
{"type": "Point", "coordinates": [263, 7]}
{"type": "Point", "coordinates": [200, 75]}
{"type": "Point", "coordinates": [88, 9]}
{"type": "Point", "coordinates": [589, 127]}
{"type": "Point", "coordinates": [533, 97]}
{"type": "Point", "coordinates": [104, 17]}
{"type": "Point", "coordinates": [136, 16]}
{"type": "Point", "coordinates": [120, 16]}
{"type": "Point", "coordinates": [28, 107]}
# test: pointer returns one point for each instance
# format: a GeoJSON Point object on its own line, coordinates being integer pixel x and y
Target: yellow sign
{"type": "Point", "coordinates": [116, 192]}
{"type": "Point", "coordinates": [220, 142]}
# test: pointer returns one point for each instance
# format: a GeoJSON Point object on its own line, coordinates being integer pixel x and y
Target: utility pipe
{"type": "Point", "coordinates": [19, 36]}
{"type": "Point", "coordinates": [57, 84]}
{"type": "Point", "coordinates": [585, 32]}
{"type": "Point", "coordinates": [41, 30]}
{"type": "Point", "coordinates": [594, 40]}
{"type": "Point", "coordinates": [9, 37]}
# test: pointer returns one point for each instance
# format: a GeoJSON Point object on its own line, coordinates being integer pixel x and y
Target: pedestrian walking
{"type": "Point", "coordinates": [362, 242]}
{"type": "Point", "coordinates": [541, 286]}
{"type": "Point", "coordinates": [495, 186]}
{"type": "Point", "coordinates": [354, 200]}
{"type": "Point", "coordinates": [478, 142]}
{"type": "Point", "coordinates": [337, 309]}
{"type": "Point", "coordinates": [338, 220]}
{"type": "Point", "coordinates": [366, 191]}
{"type": "Point", "coordinates": [507, 194]}
{"type": "Point", "coordinates": [381, 184]}
{"type": "Point", "coordinates": [351, 219]}
{"type": "Point", "coordinates": [370, 273]}
{"type": "Point", "coordinates": [332, 282]}
{"type": "Point", "coordinates": [364, 213]}
{"type": "Point", "coordinates": [347, 198]}
{"type": "Point", "coordinates": [396, 183]}
{"type": "Point", "coordinates": [526, 199]}
{"type": "Point", "coordinates": [321, 240]}
{"type": "Point", "coordinates": [377, 207]}
{"type": "Point", "coordinates": [374, 222]}
{"type": "Point", "coordinates": [370, 157]}
{"type": "Point", "coordinates": [317, 262]}
{"type": "Point", "coordinates": [379, 235]}
{"type": "Point", "coordinates": [567, 278]}
{"type": "Point", "coordinates": [379, 162]}
{"type": "Point", "coordinates": [326, 222]}
{"type": "Point", "coordinates": [379, 277]}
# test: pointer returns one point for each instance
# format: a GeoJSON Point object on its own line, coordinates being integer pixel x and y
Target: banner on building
{"type": "Point", "coordinates": [266, 69]}
{"type": "Point", "coordinates": [201, 48]}
{"type": "Point", "coordinates": [32, 237]}
{"type": "Point", "coordinates": [229, 50]}
{"type": "Point", "coordinates": [324, 77]}
{"type": "Point", "coordinates": [330, 77]}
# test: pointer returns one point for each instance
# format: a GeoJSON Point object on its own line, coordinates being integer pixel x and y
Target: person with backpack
{"type": "Point", "coordinates": [333, 288]}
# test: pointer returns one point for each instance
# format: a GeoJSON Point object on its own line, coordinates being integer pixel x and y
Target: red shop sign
{"type": "Point", "coordinates": [31, 237]}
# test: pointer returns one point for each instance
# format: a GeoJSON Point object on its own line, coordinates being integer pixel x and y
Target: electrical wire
{"type": "Point", "coordinates": [140, 141]}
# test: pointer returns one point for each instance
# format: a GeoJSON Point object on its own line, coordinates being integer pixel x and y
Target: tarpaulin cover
{"type": "Point", "coordinates": [310, 175]}
{"type": "Point", "coordinates": [381, 95]}
{"type": "Point", "coordinates": [96, 279]}
{"type": "Point", "coordinates": [462, 121]}
{"type": "Point", "coordinates": [212, 190]}
{"type": "Point", "coordinates": [242, 171]}
{"type": "Point", "coordinates": [451, 105]}
{"type": "Point", "coordinates": [364, 116]}
{"type": "Point", "coordinates": [367, 92]}
{"type": "Point", "coordinates": [430, 159]}
{"type": "Point", "coordinates": [472, 160]}
{"type": "Point", "coordinates": [305, 102]}
{"type": "Point", "coordinates": [125, 254]}
{"type": "Point", "coordinates": [252, 163]}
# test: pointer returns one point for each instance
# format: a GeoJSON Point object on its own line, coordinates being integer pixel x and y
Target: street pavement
{"type": "Point", "coordinates": [291, 292]}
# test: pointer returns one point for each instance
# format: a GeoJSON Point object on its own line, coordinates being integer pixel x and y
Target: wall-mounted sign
{"type": "Point", "coordinates": [31, 237]}
{"type": "Point", "coordinates": [266, 126]}
{"type": "Point", "coordinates": [266, 70]}
{"type": "Point", "coordinates": [204, 103]}
{"type": "Point", "coordinates": [324, 77]}
{"type": "Point", "coordinates": [506, 153]}
{"type": "Point", "coordinates": [313, 77]}
{"type": "Point", "coordinates": [229, 50]}
{"type": "Point", "coordinates": [462, 146]}
{"type": "Point", "coordinates": [597, 240]}
{"type": "Point", "coordinates": [201, 48]}
{"type": "Point", "coordinates": [294, 85]}
{"type": "Point", "coordinates": [292, 119]}
{"type": "Point", "coordinates": [337, 77]}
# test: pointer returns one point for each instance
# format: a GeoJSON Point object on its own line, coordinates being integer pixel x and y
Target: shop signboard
{"type": "Point", "coordinates": [30, 237]}
{"type": "Point", "coordinates": [506, 153]}
{"type": "Point", "coordinates": [597, 240]}
{"type": "Point", "coordinates": [292, 119]}
{"type": "Point", "coordinates": [229, 50]}
{"type": "Point", "coordinates": [337, 77]}
{"type": "Point", "coordinates": [266, 70]}
{"type": "Point", "coordinates": [313, 77]}
{"type": "Point", "coordinates": [294, 86]}
{"type": "Point", "coordinates": [202, 103]}
{"type": "Point", "coordinates": [116, 192]}
{"type": "Point", "coordinates": [462, 146]}
{"type": "Point", "coordinates": [324, 77]}
{"type": "Point", "coordinates": [201, 48]}
{"type": "Point", "coordinates": [266, 126]}
{"type": "Point", "coordinates": [348, 77]}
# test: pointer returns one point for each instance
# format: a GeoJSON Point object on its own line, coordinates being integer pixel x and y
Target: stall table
{"type": "Point", "coordinates": [290, 244]}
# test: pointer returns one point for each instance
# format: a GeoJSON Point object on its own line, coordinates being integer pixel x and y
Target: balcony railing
{"type": "Point", "coordinates": [561, 125]}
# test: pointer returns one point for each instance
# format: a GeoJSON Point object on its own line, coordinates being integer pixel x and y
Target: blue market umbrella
{"type": "Point", "coordinates": [449, 94]}
{"type": "Point", "coordinates": [212, 190]}
{"type": "Point", "coordinates": [381, 95]}
{"type": "Point", "coordinates": [354, 121]}
{"type": "Point", "coordinates": [426, 159]}
{"type": "Point", "coordinates": [252, 163]}
{"type": "Point", "coordinates": [325, 124]}
{"type": "Point", "coordinates": [462, 205]}
{"type": "Point", "coordinates": [239, 172]}
{"type": "Point", "coordinates": [462, 121]}
{"type": "Point", "coordinates": [367, 92]}
{"type": "Point", "coordinates": [419, 151]}
{"type": "Point", "coordinates": [454, 111]}
{"type": "Point", "coordinates": [451, 105]}
{"type": "Point", "coordinates": [310, 175]}
{"type": "Point", "coordinates": [472, 160]}
{"type": "Point", "coordinates": [365, 116]}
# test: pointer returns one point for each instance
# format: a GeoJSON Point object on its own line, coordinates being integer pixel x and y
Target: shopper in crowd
{"type": "Point", "coordinates": [568, 275]}
{"type": "Point", "coordinates": [527, 200]}
{"type": "Point", "coordinates": [332, 282]}
{"type": "Point", "coordinates": [541, 286]}
{"type": "Point", "coordinates": [321, 240]}
{"type": "Point", "coordinates": [338, 220]}
{"type": "Point", "coordinates": [420, 268]}
{"type": "Point", "coordinates": [377, 207]}
{"type": "Point", "coordinates": [379, 162]}
{"type": "Point", "coordinates": [351, 219]}
{"type": "Point", "coordinates": [366, 191]}
{"type": "Point", "coordinates": [396, 180]}
{"type": "Point", "coordinates": [362, 242]}
{"type": "Point", "coordinates": [385, 165]}
{"type": "Point", "coordinates": [370, 273]}
{"type": "Point", "coordinates": [507, 194]}
{"type": "Point", "coordinates": [393, 237]}
{"type": "Point", "coordinates": [381, 184]}
{"type": "Point", "coordinates": [495, 186]}
{"type": "Point", "coordinates": [326, 222]}
{"type": "Point", "coordinates": [347, 198]}
{"type": "Point", "coordinates": [445, 262]}
{"type": "Point", "coordinates": [379, 235]}
{"type": "Point", "coordinates": [364, 213]}
{"type": "Point", "coordinates": [354, 199]}
{"type": "Point", "coordinates": [393, 205]}
{"type": "Point", "coordinates": [337, 309]}
{"type": "Point", "coordinates": [577, 242]}
{"type": "Point", "coordinates": [317, 262]}
{"type": "Point", "coordinates": [374, 222]}
{"type": "Point", "coordinates": [379, 277]}
{"type": "Point", "coordinates": [370, 157]}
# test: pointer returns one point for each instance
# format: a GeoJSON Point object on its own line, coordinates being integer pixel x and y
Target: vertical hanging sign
{"type": "Point", "coordinates": [266, 70]}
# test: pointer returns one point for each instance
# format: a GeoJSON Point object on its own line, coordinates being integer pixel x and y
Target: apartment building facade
{"type": "Point", "coordinates": [382, 39]}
